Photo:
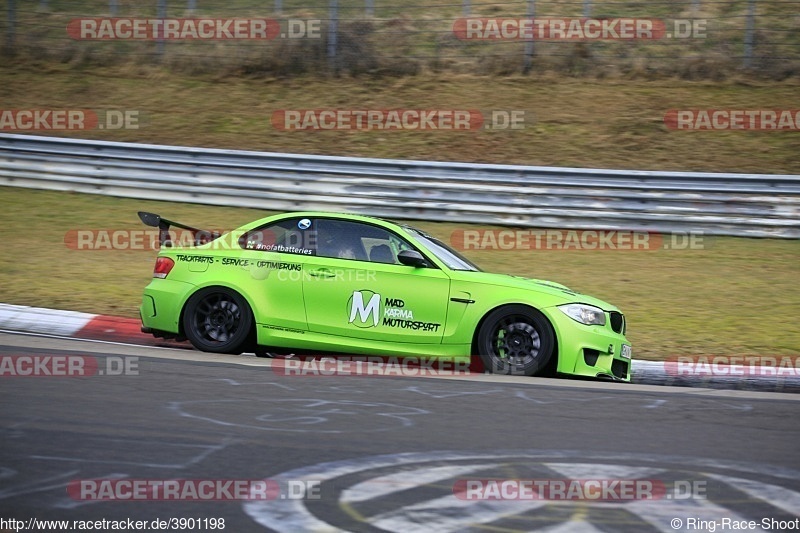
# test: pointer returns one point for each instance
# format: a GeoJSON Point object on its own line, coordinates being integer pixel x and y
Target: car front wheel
{"type": "Point", "coordinates": [516, 340]}
{"type": "Point", "coordinates": [217, 320]}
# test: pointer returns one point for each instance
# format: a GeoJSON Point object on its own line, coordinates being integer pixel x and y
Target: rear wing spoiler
{"type": "Point", "coordinates": [153, 220]}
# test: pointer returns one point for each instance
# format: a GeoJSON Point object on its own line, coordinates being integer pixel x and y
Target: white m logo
{"type": "Point", "coordinates": [357, 307]}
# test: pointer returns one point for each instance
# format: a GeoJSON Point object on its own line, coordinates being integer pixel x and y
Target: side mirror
{"type": "Point", "coordinates": [412, 258]}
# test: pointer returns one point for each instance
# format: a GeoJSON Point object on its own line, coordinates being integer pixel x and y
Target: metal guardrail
{"type": "Point", "coordinates": [755, 205]}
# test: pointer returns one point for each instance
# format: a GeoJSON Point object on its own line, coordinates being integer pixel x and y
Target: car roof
{"type": "Point", "coordinates": [328, 214]}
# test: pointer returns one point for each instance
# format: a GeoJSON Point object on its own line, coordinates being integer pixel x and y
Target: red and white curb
{"type": "Point", "coordinates": [78, 325]}
{"type": "Point", "coordinates": [40, 320]}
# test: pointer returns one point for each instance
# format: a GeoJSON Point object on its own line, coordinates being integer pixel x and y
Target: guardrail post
{"type": "Point", "coordinates": [278, 7]}
{"type": "Point", "coordinates": [191, 6]}
{"type": "Point", "coordinates": [333, 29]}
{"type": "Point", "coordinates": [369, 8]}
{"type": "Point", "coordinates": [528, 62]}
{"type": "Point", "coordinates": [466, 8]}
{"type": "Point", "coordinates": [749, 31]}
{"type": "Point", "coordinates": [113, 7]}
{"type": "Point", "coordinates": [161, 13]}
{"type": "Point", "coordinates": [11, 30]}
{"type": "Point", "coordinates": [587, 8]}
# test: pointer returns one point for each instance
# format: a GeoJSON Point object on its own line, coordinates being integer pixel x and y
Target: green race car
{"type": "Point", "coordinates": [313, 282]}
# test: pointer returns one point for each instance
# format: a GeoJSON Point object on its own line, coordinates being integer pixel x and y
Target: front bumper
{"type": "Point", "coordinates": [591, 351]}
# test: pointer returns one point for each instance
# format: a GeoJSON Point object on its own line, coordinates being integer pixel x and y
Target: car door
{"type": "Point", "coordinates": [355, 287]}
{"type": "Point", "coordinates": [276, 256]}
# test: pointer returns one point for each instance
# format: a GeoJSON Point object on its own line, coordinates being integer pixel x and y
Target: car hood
{"type": "Point", "coordinates": [530, 284]}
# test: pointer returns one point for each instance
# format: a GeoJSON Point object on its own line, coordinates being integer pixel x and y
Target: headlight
{"type": "Point", "coordinates": [585, 314]}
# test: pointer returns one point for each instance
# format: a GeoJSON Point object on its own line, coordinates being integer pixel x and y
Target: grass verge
{"type": "Point", "coordinates": [568, 122]}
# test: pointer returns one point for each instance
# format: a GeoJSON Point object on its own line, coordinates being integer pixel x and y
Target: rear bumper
{"type": "Point", "coordinates": [161, 306]}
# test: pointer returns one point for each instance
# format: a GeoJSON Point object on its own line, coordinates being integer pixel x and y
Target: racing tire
{"type": "Point", "coordinates": [515, 340]}
{"type": "Point", "coordinates": [218, 320]}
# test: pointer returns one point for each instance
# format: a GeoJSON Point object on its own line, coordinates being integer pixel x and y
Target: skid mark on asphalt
{"type": "Point", "coordinates": [302, 415]}
{"type": "Point", "coordinates": [235, 383]}
{"type": "Point", "coordinates": [704, 405]}
{"type": "Point", "coordinates": [179, 456]}
{"type": "Point", "coordinates": [68, 503]}
{"type": "Point", "coordinates": [41, 485]}
{"type": "Point", "coordinates": [14, 431]}
{"type": "Point", "coordinates": [447, 394]}
{"type": "Point", "coordinates": [346, 389]}
{"type": "Point", "coordinates": [194, 457]}
{"type": "Point", "coordinates": [524, 396]}
{"type": "Point", "coordinates": [551, 397]}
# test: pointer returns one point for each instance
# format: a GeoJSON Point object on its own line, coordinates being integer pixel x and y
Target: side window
{"type": "Point", "coordinates": [345, 239]}
{"type": "Point", "coordinates": [290, 236]}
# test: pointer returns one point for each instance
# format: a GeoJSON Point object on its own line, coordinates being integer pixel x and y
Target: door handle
{"type": "Point", "coordinates": [323, 273]}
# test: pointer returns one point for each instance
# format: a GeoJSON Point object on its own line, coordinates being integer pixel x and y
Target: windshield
{"type": "Point", "coordinates": [450, 257]}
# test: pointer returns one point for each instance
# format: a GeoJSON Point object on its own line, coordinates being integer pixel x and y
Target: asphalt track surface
{"type": "Point", "coordinates": [384, 453]}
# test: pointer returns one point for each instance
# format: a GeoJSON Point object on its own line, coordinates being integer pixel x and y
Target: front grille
{"type": "Point", "coordinates": [617, 322]}
{"type": "Point", "coordinates": [620, 369]}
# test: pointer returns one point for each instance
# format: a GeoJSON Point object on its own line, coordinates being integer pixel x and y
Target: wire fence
{"type": "Point", "coordinates": [693, 39]}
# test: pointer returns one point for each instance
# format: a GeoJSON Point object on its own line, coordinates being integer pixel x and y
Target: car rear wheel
{"type": "Point", "coordinates": [516, 340]}
{"type": "Point", "coordinates": [217, 320]}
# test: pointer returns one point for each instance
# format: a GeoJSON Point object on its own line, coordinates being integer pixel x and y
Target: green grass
{"type": "Point", "coordinates": [571, 122]}
{"type": "Point", "coordinates": [736, 297]}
